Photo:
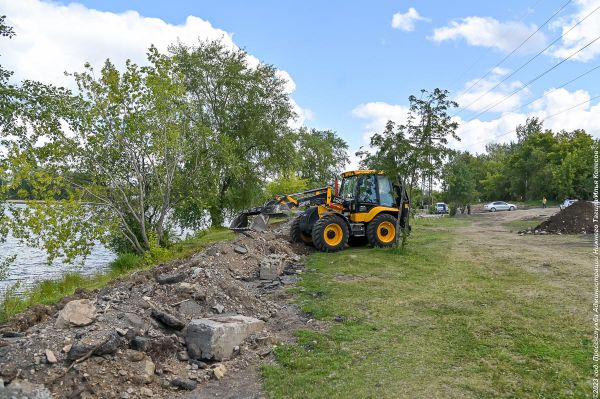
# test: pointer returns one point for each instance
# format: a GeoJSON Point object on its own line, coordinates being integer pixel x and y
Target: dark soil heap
{"type": "Point", "coordinates": [576, 219]}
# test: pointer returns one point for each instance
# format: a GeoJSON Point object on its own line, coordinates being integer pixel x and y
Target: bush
{"type": "Point", "coordinates": [453, 208]}
{"type": "Point", "coordinates": [124, 263]}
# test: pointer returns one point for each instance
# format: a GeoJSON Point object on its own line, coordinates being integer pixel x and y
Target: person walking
{"type": "Point", "coordinates": [544, 202]}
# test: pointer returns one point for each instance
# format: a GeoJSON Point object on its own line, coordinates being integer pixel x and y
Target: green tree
{"type": "Point", "coordinates": [574, 174]}
{"type": "Point", "coordinates": [416, 150]}
{"type": "Point", "coordinates": [322, 155]}
{"type": "Point", "coordinates": [239, 114]}
{"type": "Point", "coordinates": [125, 145]}
{"type": "Point", "coordinates": [460, 180]}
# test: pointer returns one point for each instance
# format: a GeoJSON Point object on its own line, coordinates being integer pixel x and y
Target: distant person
{"type": "Point", "coordinates": [544, 202]}
{"type": "Point", "coordinates": [468, 209]}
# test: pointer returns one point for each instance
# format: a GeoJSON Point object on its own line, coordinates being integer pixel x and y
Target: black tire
{"type": "Point", "coordinates": [381, 231]}
{"type": "Point", "coordinates": [493, 210]}
{"type": "Point", "coordinates": [295, 230]}
{"type": "Point", "coordinates": [357, 241]}
{"type": "Point", "coordinates": [297, 235]}
{"type": "Point", "coordinates": [330, 234]}
{"type": "Point", "coordinates": [512, 208]}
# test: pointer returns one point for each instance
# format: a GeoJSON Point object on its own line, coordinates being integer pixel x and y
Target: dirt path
{"type": "Point", "coordinates": [559, 266]}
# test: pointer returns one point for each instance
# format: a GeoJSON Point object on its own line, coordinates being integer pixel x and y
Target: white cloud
{"type": "Point", "coordinates": [489, 32]}
{"type": "Point", "coordinates": [500, 71]}
{"type": "Point", "coordinates": [477, 98]}
{"type": "Point", "coordinates": [477, 133]}
{"type": "Point", "coordinates": [406, 21]}
{"type": "Point", "coordinates": [582, 34]}
{"type": "Point", "coordinates": [52, 38]}
{"type": "Point", "coordinates": [378, 114]}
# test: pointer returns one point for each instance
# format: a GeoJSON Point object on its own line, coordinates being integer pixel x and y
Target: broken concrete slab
{"type": "Point", "coordinates": [170, 278]}
{"type": "Point", "coordinates": [167, 319]}
{"type": "Point", "coordinates": [98, 343]}
{"type": "Point", "coordinates": [271, 267]}
{"type": "Point", "coordinates": [216, 337]}
{"type": "Point", "coordinates": [77, 313]}
{"type": "Point", "coordinates": [184, 383]}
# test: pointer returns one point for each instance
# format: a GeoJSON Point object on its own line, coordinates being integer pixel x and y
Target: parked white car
{"type": "Point", "coordinates": [567, 203]}
{"type": "Point", "coordinates": [499, 206]}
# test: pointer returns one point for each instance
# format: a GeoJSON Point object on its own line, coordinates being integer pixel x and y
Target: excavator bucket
{"type": "Point", "coordinates": [240, 222]}
{"type": "Point", "coordinates": [260, 223]}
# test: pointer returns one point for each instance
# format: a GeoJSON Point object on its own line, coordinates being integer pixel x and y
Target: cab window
{"type": "Point", "coordinates": [386, 194]}
{"type": "Point", "coordinates": [348, 188]}
{"type": "Point", "coordinates": [367, 192]}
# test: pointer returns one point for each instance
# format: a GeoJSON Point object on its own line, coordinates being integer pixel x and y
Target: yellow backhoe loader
{"type": "Point", "coordinates": [368, 207]}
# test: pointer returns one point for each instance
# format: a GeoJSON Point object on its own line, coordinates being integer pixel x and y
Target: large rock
{"type": "Point", "coordinates": [216, 337]}
{"type": "Point", "coordinates": [99, 343]}
{"type": "Point", "coordinates": [170, 278]}
{"type": "Point", "coordinates": [77, 313]}
{"type": "Point", "coordinates": [167, 319]}
{"type": "Point", "coordinates": [271, 267]}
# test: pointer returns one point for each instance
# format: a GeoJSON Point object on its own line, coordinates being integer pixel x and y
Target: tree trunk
{"type": "Point", "coordinates": [216, 216]}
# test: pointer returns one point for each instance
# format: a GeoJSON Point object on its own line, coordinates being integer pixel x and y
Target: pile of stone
{"type": "Point", "coordinates": [156, 333]}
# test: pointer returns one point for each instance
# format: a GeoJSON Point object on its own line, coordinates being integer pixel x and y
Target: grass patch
{"type": "Point", "coordinates": [432, 323]}
{"type": "Point", "coordinates": [518, 225]}
{"type": "Point", "coordinates": [51, 291]}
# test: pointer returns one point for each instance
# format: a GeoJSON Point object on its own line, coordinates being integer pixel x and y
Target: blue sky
{"type": "Point", "coordinates": [353, 68]}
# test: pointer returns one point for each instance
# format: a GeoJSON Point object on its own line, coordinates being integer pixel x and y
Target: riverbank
{"type": "Point", "coordinates": [48, 292]}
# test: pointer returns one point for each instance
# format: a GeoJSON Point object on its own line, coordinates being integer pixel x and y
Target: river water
{"type": "Point", "coordinates": [31, 266]}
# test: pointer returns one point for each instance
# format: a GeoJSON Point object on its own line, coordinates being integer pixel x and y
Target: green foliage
{"type": "Point", "coordinates": [415, 150]}
{"type": "Point", "coordinates": [540, 164]}
{"type": "Point", "coordinates": [460, 179]}
{"type": "Point", "coordinates": [322, 155]}
{"type": "Point", "coordinates": [453, 209]}
{"type": "Point", "coordinates": [238, 115]}
{"type": "Point", "coordinates": [125, 262]}
{"type": "Point", "coordinates": [286, 185]}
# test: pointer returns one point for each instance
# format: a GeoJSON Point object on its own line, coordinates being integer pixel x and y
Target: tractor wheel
{"type": "Point", "coordinates": [330, 234]}
{"type": "Point", "coordinates": [381, 231]}
{"type": "Point", "coordinates": [297, 234]}
{"type": "Point", "coordinates": [295, 230]}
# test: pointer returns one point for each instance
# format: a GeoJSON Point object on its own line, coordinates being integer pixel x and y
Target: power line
{"type": "Point", "coordinates": [530, 60]}
{"type": "Point", "coordinates": [533, 80]}
{"type": "Point", "coordinates": [549, 92]}
{"type": "Point", "coordinates": [543, 120]}
{"type": "Point", "coordinates": [515, 50]}
{"type": "Point", "coordinates": [557, 88]}
{"type": "Point", "coordinates": [470, 67]}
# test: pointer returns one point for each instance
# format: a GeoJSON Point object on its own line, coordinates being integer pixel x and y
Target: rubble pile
{"type": "Point", "coordinates": [158, 332]}
{"type": "Point", "coordinates": [575, 219]}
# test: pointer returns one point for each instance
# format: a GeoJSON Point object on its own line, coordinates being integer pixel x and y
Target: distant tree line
{"type": "Point", "coordinates": [540, 163]}
{"type": "Point", "coordinates": [189, 138]}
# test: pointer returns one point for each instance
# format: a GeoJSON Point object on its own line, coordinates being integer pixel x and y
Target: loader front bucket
{"type": "Point", "coordinates": [240, 221]}
{"type": "Point", "coordinates": [260, 223]}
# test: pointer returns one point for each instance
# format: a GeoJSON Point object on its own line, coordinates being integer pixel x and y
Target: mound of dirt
{"type": "Point", "coordinates": [576, 219]}
{"type": "Point", "coordinates": [128, 340]}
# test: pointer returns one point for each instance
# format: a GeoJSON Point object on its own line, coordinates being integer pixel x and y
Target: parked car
{"type": "Point", "coordinates": [441, 207]}
{"type": "Point", "coordinates": [567, 203]}
{"type": "Point", "coordinates": [499, 206]}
